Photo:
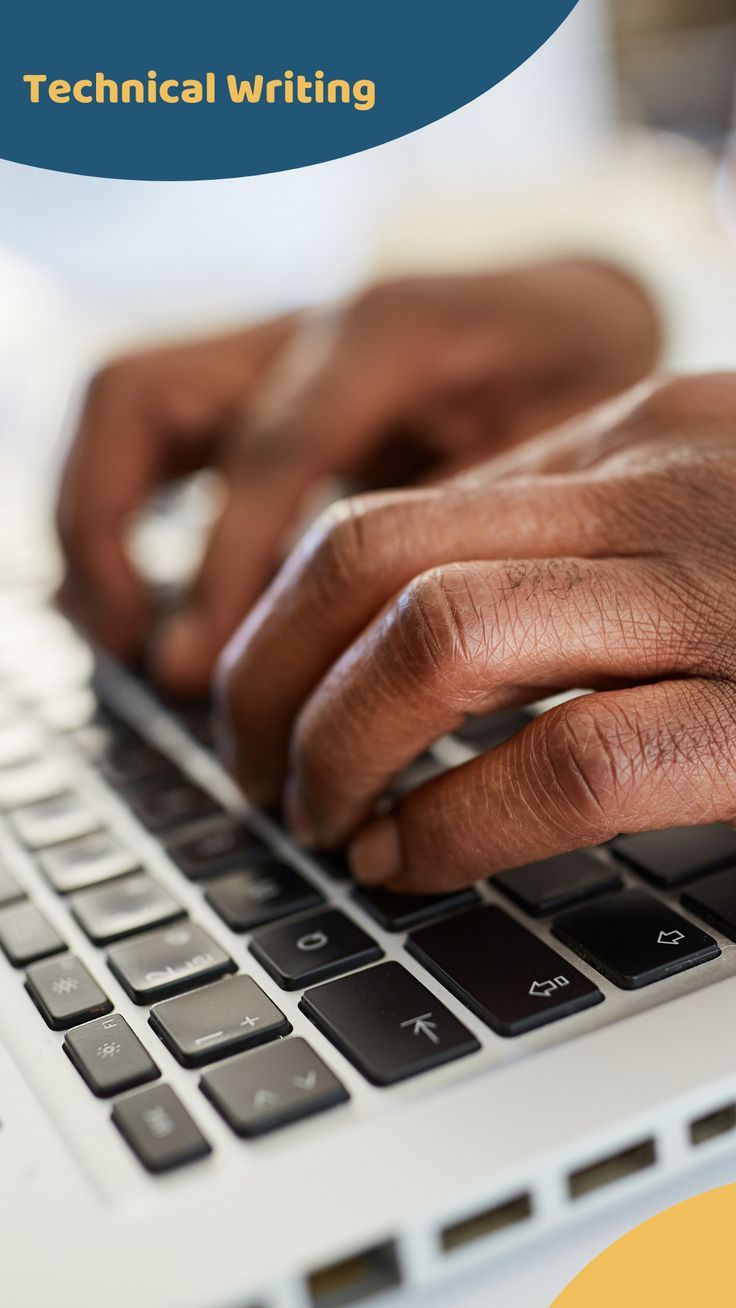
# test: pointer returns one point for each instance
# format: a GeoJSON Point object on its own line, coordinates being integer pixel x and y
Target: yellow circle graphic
{"type": "Point", "coordinates": [682, 1258]}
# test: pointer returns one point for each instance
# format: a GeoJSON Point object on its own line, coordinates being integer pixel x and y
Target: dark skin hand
{"type": "Point", "coordinates": [411, 379]}
{"type": "Point", "coordinates": [600, 555]}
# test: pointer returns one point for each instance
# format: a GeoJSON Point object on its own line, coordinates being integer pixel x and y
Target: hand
{"type": "Point", "coordinates": [600, 556]}
{"type": "Point", "coordinates": [409, 377]}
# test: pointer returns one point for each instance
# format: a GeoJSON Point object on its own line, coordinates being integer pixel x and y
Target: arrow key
{"type": "Point", "coordinates": [387, 1023]}
{"type": "Point", "coordinates": [270, 1087]}
{"type": "Point", "coordinates": [634, 939]}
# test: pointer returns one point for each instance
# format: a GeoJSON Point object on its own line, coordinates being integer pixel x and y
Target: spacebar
{"type": "Point", "coordinates": [506, 975]}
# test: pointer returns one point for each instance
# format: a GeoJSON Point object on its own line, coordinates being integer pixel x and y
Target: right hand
{"type": "Point", "coordinates": [418, 376]}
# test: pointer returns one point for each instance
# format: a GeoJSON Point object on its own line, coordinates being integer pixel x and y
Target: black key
{"type": "Point", "coordinates": [400, 912]}
{"type": "Point", "coordinates": [667, 858]}
{"type": "Point", "coordinates": [260, 894]}
{"type": "Point", "coordinates": [109, 1056]}
{"type": "Point", "coordinates": [127, 906]}
{"type": "Point", "coordinates": [268, 1088]}
{"type": "Point", "coordinates": [512, 980]}
{"type": "Point", "coordinates": [65, 993]}
{"type": "Point", "coordinates": [714, 899]}
{"type": "Point", "coordinates": [546, 887]}
{"type": "Point", "coordinates": [169, 801]}
{"type": "Point", "coordinates": [492, 729]}
{"type": "Point", "coordinates": [634, 939]}
{"type": "Point", "coordinates": [217, 1020]}
{"type": "Point", "coordinates": [333, 861]}
{"type": "Point", "coordinates": [9, 891]}
{"type": "Point", "coordinates": [87, 862]}
{"type": "Point", "coordinates": [127, 759]}
{"type": "Point", "coordinates": [313, 948]}
{"type": "Point", "coordinates": [26, 935]}
{"type": "Point", "coordinates": [387, 1023]}
{"type": "Point", "coordinates": [165, 962]}
{"type": "Point", "coordinates": [227, 845]}
{"type": "Point", "coordinates": [159, 1130]}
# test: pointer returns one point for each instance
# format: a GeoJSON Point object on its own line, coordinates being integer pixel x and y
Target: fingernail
{"type": "Point", "coordinates": [375, 855]}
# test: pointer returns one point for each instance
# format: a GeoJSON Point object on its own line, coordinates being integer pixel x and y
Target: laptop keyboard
{"type": "Point", "coordinates": [537, 948]}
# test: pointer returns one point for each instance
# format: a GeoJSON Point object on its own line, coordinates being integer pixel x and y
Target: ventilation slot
{"type": "Point", "coordinates": [606, 1171]}
{"type": "Point", "coordinates": [355, 1279]}
{"type": "Point", "coordinates": [486, 1223]}
{"type": "Point", "coordinates": [716, 1123]}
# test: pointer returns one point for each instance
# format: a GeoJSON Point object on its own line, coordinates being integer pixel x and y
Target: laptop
{"type": "Point", "coordinates": [231, 1079]}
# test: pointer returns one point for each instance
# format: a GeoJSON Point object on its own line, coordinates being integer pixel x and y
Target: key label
{"type": "Point", "coordinates": [109, 1050]}
{"type": "Point", "coordinates": [158, 1122]}
{"type": "Point", "coordinates": [543, 989]}
{"type": "Point", "coordinates": [264, 1099]}
{"type": "Point", "coordinates": [250, 1021]}
{"type": "Point", "coordinates": [423, 1026]}
{"type": "Point", "coordinates": [314, 940]}
{"type": "Point", "coordinates": [670, 938]}
{"type": "Point", "coordinates": [207, 1039]}
{"type": "Point", "coordinates": [307, 1082]}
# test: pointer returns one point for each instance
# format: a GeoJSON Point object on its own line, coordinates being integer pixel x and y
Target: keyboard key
{"type": "Point", "coordinates": [31, 783]}
{"type": "Point", "coordinates": [9, 890]}
{"type": "Point", "coordinates": [19, 743]}
{"type": "Point", "coordinates": [159, 1130]}
{"type": "Point", "coordinates": [509, 977]}
{"type": "Point", "coordinates": [86, 862]}
{"type": "Point", "coordinates": [268, 1088]}
{"type": "Point", "coordinates": [313, 948]}
{"type": "Point", "coordinates": [400, 912]}
{"type": "Point", "coordinates": [546, 887]}
{"type": "Point", "coordinates": [26, 935]}
{"type": "Point", "coordinates": [127, 759]}
{"type": "Point", "coordinates": [634, 939]}
{"type": "Point", "coordinates": [714, 899]}
{"type": "Point", "coordinates": [333, 861]}
{"type": "Point", "coordinates": [492, 729]}
{"type": "Point", "coordinates": [668, 858]}
{"type": "Point", "coordinates": [65, 993]}
{"type": "Point", "coordinates": [66, 817]}
{"type": "Point", "coordinates": [109, 1056]}
{"type": "Point", "coordinates": [164, 962]}
{"type": "Point", "coordinates": [260, 894]}
{"type": "Point", "coordinates": [129, 905]}
{"type": "Point", "coordinates": [218, 1019]}
{"type": "Point", "coordinates": [169, 801]}
{"type": "Point", "coordinates": [387, 1023]}
{"type": "Point", "coordinates": [227, 845]}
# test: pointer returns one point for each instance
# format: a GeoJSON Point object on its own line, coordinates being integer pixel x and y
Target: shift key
{"type": "Point", "coordinates": [506, 975]}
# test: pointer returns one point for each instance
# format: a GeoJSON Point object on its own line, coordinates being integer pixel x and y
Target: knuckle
{"type": "Point", "coordinates": [594, 756]}
{"type": "Point", "coordinates": [438, 626]}
{"type": "Point", "coordinates": [343, 545]}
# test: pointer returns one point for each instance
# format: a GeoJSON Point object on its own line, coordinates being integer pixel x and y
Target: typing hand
{"type": "Point", "coordinates": [602, 555]}
{"type": "Point", "coordinates": [409, 378]}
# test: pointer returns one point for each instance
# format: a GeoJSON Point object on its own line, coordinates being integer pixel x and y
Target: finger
{"type": "Point", "coordinates": [354, 560]}
{"type": "Point", "coordinates": [245, 542]}
{"type": "Point", "coordinates": [110, 471]}
{"type": "Point", "coordinates": [621, 761]}
{"type": "Point", "coordinates": [462, 639]}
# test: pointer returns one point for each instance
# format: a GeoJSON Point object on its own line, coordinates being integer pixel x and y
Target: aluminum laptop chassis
{"type": "Point", "coordinates": [402, 1187]}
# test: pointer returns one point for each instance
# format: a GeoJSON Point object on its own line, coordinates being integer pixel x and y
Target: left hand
{"type": "Point", "coordinates": [602, 555]}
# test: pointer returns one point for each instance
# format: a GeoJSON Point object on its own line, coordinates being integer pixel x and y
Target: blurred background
{"type": "Point", "coordinates": [613, 138]}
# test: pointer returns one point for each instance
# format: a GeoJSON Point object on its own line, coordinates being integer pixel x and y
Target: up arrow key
{"type": "Point", "coordinates": [670, 938]}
